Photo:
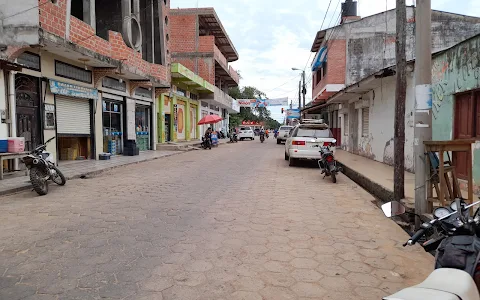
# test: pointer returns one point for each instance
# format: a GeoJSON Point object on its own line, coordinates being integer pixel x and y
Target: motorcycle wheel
{"type": "Point", "coordinates": [60, 178]}
{"type": "Point", "coordinates": [334, 177]}
{"type": "Point", "coordinates": [39, 184]}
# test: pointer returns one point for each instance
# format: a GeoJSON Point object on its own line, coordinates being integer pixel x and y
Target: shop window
{"type": "Point", "coordinates": [72, 72]}
{"type": "Point", "coordinates": [365, 121]}
{"type": "Point", "coordinates": [112, 127]}
{"type": "Point", "coordinates": [30, 60]}
{"type": "Point", "coordinates": [194, 96]}
{"type": "Point", "coordinates": [345, 124]}
{"type": "Point", "coordinates": [142, 127]}
{"type": "Point", "coordinates": [114, 84]}
{"type": "Point", "coordinates": [143, 92]}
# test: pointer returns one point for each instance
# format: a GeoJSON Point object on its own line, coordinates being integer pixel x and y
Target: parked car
{"type": "Point", "coordinates": [246, 132]}
{"type": "Point", "coordinates": [283, 132]}
{"type": "Point", "coordinates": [306, 139]}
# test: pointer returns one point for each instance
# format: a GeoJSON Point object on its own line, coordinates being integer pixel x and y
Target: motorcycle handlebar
{"type": "Point", "coordinates": [415, 237]}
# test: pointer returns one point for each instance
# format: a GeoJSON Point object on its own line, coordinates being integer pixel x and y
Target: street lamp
{"type": "Point", "coordinates": [301, 88]}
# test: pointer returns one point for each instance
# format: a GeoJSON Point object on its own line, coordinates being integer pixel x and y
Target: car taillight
{"type": "Point", "coordinates": [329, 158]}
{"type": "Point", "coordinates": [298, 143]}
{"type": "Point", "coordinates": [326, 144]}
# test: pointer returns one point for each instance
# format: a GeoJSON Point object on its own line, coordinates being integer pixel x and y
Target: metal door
{"type": "Point", "coordinates": [28, 110]}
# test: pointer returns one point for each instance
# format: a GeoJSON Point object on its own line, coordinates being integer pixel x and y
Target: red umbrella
{"type": "Point", "coordinates": [210, 119]}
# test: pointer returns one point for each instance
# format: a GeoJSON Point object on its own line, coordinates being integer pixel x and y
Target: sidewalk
{"type": "Point", "coordinates": [375, 177]}
{"type": "Point", "coordinates": [79, 168]}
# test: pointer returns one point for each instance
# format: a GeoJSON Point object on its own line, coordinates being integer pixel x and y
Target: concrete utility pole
{"type": "Point", "coordinates": [423, 99]}
{"type": "Point", "coordinates": [400, 95]}
{"type": "Point", "coordinates": [299, 97]}
{"type": "Point", "coordinates": [304, 89]}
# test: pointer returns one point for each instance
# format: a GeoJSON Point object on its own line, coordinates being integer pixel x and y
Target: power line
{"type": "Point", "coordinates": [326, 12]}
{"type": "Point", "coordinates": [26, 10]}
{"type": "Point", "coordinates": [283, 84]}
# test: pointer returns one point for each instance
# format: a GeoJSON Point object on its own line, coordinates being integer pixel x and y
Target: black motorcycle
{"type": "Point", "coordinates": [262, 137]}
{"type": "Point", "coordinates": [206, 142]}
{"type": "Point", "coordinates": [328, 164]}
{"type": "Point", "coordinates": [453, 234]}
{"type": "Point", "coordinates": [233, 137]}
{"type": "Point", "coordinates": [41, 166]}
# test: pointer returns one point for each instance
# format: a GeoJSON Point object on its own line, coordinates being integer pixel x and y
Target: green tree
{"type": "Point", "coordinates": [260, 114]}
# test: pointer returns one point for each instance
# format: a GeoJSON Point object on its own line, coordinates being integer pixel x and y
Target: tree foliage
{"type": "Point", "coordinates": [260, 114]}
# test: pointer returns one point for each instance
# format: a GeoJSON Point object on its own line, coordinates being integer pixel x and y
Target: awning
{"type": "Point", "coordinates": [181, 74]}
{"type": "Point", "coordinates": [319, 59]}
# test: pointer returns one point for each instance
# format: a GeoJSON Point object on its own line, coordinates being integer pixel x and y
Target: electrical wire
{"type": "Point", "coordinates": [282, 84]}
{"type": "Point", "coordinates": [26, 10]}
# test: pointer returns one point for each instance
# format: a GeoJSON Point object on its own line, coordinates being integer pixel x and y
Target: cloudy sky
{"type": "Point", "coordinates": [272, 36]}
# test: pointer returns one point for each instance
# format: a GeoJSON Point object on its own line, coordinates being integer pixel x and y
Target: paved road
{"type": "Point", "coordinates": [231, 223]}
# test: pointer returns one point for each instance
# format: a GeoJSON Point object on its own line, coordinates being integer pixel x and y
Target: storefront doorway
{"type": "Point", "coordinates": [74, 123]}
{"type": "Point", "coordinates": [112, 127]}
{"type": "Point", "coordinates": [143, 126]}
{"type": "Point", "coordinates": [28, 110]}
{"type": "Point", "coordinates": [167, 128]}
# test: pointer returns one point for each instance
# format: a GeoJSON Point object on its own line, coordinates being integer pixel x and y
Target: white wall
{"type": "Point", "coordinates": [4, 128]}
{"type": "Point", "coordinates": [378, 144]}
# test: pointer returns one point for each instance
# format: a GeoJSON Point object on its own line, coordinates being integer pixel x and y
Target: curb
{"type": "Point", "coordinates": [28, 186]}
{"type": "Point", "coordinates": [380, 192]}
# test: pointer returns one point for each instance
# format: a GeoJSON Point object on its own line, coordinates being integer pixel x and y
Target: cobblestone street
{"type": "Point", "coordinates": [231, 223]}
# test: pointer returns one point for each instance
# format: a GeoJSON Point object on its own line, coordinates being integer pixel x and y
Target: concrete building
{"type": "Point", "coordinates": [354, 77]}
{"type": "Point", "coordinates": [89, 78]}
{"type": "Point", "coordinates": [456, 101]}
{"type": "Point", "coordinates": [200, 43]}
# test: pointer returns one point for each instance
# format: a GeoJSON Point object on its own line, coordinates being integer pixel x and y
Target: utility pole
{"type": "Point", "coordinates": [400, 96]}
{"type": "Point", "coordinates": [299, 93]}
{"type": "Point", "coordinates": [304, 89]}
{"type": "Point", "coordinates": [423, 99]}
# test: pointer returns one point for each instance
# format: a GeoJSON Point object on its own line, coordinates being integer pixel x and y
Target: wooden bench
{"type": "Point", "coordinates": [8, 156]}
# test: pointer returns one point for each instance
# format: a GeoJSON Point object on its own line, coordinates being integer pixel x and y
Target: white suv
{"type": "Point", "coordinates": [246, 132]}
{"type": "Point", "coordinates": [283, 132]}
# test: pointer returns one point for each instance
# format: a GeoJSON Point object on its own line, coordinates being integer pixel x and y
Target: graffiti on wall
{"type": "Point", "coordinates": [454, 71]}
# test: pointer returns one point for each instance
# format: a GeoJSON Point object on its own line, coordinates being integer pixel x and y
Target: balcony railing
{"type": "Point", "coordinates": [217, 54]}
{"type": "Point", "coordinates": [219, 98]}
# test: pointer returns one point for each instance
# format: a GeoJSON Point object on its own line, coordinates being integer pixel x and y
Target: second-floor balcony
{"type": "Point", "coordinates": [223, 70]}
{"type": "Point", "coordinates": [221, 99]}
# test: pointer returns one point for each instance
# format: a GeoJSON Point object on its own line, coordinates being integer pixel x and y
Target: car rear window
{"type": "Point", "coordinates": [314, 132]}
{"type": "Point", "coordinates": [245, 128]}
{"type": "Point", "coordinates": [285, 128]}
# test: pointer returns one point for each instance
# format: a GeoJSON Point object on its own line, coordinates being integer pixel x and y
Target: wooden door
{"type": "Point", "coordinates": [28, 110]}
{"type": "Point", "coordinates": [465, 114]}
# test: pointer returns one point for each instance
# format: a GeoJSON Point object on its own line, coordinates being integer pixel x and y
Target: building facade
{"type": "Point", "coordinates": [354, 78]}
{"type": "Point", "coordinates": [88, 77]}
{"type": "Point", "coordinates": [456, 102]}
{"type": "Point", "coordinates": [200, 43]}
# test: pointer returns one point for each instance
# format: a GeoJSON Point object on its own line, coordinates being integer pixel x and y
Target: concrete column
{"type": "Point", "coordinates": [173, 128]}
{"type": "Point", "coordinates": [161, 119]}
{"type": "Point", "coordinates": [187, 120]}
{"type": "Point", "coordinates": [199, 116]}
{"type": "Point", "coordinates": [13, 110]}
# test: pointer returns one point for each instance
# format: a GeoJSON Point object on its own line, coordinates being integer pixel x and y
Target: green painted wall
{"type": "Point", "coordinates": [455, 71]}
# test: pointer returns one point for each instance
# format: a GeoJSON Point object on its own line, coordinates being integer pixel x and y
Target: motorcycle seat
{"type": "Point", "coordinates": [441, 284]}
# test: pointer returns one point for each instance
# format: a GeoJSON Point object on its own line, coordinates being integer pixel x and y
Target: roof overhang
{"type": "Point", "coordinates": [319, 38]}
{"type": "Point", "coordinates": [210, 24]}
{"type": "Point", "coordinates": [9, 66]}
{"type": "Point", "coordinates": [181, 74]}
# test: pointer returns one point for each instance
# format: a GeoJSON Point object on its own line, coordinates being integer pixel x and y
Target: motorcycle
{"type": "Point", "coordinates": [262, 137]}
{"type": "Point", "coordinates": [206, 143]}
{"type": "Point", "coordinates": [233, 137]}
{"type": "Point", "coordinates": [328, 164]}
{"type": "Point", "coordinates": [275, 134]}
{"type": "Point", "coordinates": [454, 235]}
{"type": "Point", "coordinates": [41, 166]}
{"type": "Point", "coordinates": [221, 135]}
{"type": "Point", "coordinates": [266, 135]}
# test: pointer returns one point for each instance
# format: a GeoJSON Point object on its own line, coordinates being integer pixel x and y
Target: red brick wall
{"type": "Point", "coordinates": [187, 62]}
{"type": "Point", "coordinates": [182, 33]}
{"type": "Point", "coordinates": [206, 69]}
{"type": "Point", "coordinates": [336, 64]}
{"type": "Point", "coordinates": [206, 44]}
{"type": "Point", "coordinates": [53, 20]}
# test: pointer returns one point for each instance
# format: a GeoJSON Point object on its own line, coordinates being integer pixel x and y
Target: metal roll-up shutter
{"type": "Point", "coordinates": [73, 115]}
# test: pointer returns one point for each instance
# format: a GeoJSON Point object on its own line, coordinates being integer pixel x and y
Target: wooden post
{"type": "Point", "coordinates": [400, 95]}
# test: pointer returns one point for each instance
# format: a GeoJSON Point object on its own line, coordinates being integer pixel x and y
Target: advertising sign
{"type": "Point", "coordinates": [263, 102]}
{"type": "Point", "coordinates": [72, 90]}
{"type": "Point", "coordinates": [293, 113]}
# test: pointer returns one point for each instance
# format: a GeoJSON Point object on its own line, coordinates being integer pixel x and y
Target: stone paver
{"type": "Point", "coordinates": [231, 223]}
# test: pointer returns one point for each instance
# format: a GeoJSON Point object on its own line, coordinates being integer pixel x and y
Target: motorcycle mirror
{"type": "Point", "coordinates": [394, 208]}
{"type": "Point", "coordinates": [334, 141]}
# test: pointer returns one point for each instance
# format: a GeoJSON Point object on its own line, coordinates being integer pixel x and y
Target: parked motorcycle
{"type": "Point", "coordinates": [221, 135]}
{"type": "Point", "coordinates": [42, 168]}
{"type": "Point", "coordinates": [206, 143]}
{"type": "Point", "coordinates": [262, 137]}
{"type": "Point", "coordinates": [328, 164]}
{"type": "Point", "coordinates": [455, 236]}
{"type": "Point", "coordinates": [233, 137]}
